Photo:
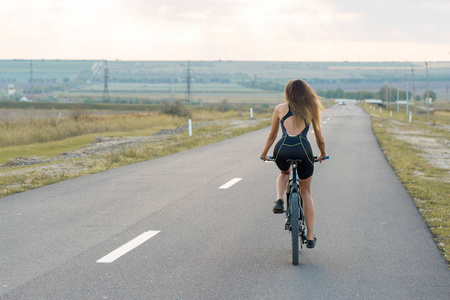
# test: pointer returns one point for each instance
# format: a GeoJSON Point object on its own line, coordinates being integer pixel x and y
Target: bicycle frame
{"type": "Point", "coordinates": [293, 188]}
{"type": "Point", "coordinates": [295, 218]}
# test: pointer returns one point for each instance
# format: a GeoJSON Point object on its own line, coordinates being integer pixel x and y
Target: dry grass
{"type": "Point", "coordinates": [30, 131]}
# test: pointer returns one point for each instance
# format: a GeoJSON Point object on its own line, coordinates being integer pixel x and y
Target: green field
{"type": "Point", "coordinates": [211, 81]}
{"type": "Point", "coordinates": [207, 71]}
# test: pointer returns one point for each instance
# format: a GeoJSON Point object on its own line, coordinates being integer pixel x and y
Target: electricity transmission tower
{"type": "Point", "coordinates": [188, 82]}
{"type": "Point", "coordinates": [105, 86]}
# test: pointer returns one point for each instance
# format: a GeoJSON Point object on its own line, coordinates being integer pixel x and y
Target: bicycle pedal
{"type": "Point", "coordinates": [287, 225]}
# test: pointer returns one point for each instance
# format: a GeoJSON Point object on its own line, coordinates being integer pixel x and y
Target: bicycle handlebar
{"type": "Point", "coordinates": [315, 158]}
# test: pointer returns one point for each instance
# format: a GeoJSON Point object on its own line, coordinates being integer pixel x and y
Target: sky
{"type": "Point", "coordinates": [267, 30]}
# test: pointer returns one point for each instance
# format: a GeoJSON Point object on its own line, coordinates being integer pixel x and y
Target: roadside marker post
{"type": "Point", "coordinates": [57, 120]}
{"type": "Point", "coordinates": [190, 127]}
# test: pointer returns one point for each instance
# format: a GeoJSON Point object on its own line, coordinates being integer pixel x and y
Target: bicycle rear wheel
{"type": "Point", "coordinates": [294, 226]}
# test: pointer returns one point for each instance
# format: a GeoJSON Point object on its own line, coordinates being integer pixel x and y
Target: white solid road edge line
{"type": "Point", "coordinates": [128, 246]}
{"type": "Point", "coordinates": [230, 183]}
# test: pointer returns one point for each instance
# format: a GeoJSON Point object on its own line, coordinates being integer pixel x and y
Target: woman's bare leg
{"type": "Point", "coordinates": [308, 206]}
{"type": "Point", "coordinates": [282, 182]}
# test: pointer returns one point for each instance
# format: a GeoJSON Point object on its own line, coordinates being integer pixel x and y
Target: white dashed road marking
{"type": "Point", "coordinates": [128, 247]}
{"type": "Point", "coordinates": [230, 183]}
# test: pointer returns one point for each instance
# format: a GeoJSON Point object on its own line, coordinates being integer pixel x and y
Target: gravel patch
{"type": "Point", "coordinates": [435, 149]}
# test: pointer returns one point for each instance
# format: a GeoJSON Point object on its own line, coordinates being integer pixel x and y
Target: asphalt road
{"type": "Point", "coordinates": [198, 241]}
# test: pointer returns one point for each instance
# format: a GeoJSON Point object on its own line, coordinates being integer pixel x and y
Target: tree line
{"type": "Point", "coordinates": [385, 93]}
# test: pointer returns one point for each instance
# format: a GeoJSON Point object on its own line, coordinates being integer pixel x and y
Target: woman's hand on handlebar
{"type": "Point", "coordinates": [321, 158]}
{"type": "Point", "coordinates": [266, 157]}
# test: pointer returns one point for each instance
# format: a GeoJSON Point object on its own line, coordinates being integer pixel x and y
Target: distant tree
{"type": "Point", "coordinates": [176, 109]}
{"type": "Point", "coordinates": [223, 106]}
{"type": "Point", "coordinates": [339, 93]}
{"type": "Point", "coordinates": [349, 95]}
{"type": "Point", "coordinates": [403, 95]}
{"type": "Point", "coordinates": [381, 94]}
{"type": "Point", "coordinates": [66, 79]}
{"type": "Point", "coordinates": [387, 90]}
{"type": "Point", "coordinates": [320, 93]}
{"type": "Point", "coordinates": [366, 95]}
{"type": "Point", "coordinates": [330, 94]}
{"type": "Point", "coordinates": [432, 95]}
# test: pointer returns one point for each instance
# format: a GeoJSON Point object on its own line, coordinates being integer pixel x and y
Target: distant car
{"type": "Point", "coordinates": [342, 103]}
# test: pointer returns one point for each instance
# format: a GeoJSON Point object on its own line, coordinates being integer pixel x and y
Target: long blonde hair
{"type": "Point", "coordinates": [304, 102]}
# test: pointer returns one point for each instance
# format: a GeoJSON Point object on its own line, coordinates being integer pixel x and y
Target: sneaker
{"type": "Point", "coordinates": [311, 244]}
{"type": "Point", "coordinates": [278, 208]}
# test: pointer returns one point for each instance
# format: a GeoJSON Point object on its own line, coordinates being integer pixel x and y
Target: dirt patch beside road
{"type": "Point", "coordinates": [432, 146]}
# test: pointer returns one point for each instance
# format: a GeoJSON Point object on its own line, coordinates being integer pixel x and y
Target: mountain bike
{"type": "Point", "coordinates": [295, 218]}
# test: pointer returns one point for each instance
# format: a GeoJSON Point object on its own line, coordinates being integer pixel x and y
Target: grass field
{"type": "Point", "coordinates": [81, 76]}
{"type": "Point", "coordinates": [439, 116]}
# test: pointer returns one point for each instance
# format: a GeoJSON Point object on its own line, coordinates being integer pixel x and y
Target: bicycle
{"type": "Point", "coordinates": [294, 210]}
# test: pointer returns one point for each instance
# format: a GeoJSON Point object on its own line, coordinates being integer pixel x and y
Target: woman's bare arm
{"type": "Point", "coordinates": [272, 135]}
{"type": "Point", "coordinates": [320, 142]}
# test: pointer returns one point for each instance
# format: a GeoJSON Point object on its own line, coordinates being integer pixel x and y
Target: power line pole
{"type": "Point", "coordinates": [188, 81]}
{"type": "Point", "coordinates": [105, 86]}
{"type": "Point", "coordinates": [414, 90]}
{"type": "Point", "coordinates": [447, 93]}
{"type": "Point", "coordinates": [428, 92]}
{"type": "Point", "coordinates": [398, 99]}
{"type": "Point", "coordinates": [31, 79]}
{"type": "Point", "coordinates": [387, 95]}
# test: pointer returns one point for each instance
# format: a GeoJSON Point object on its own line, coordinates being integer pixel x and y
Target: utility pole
{"type": "Point", "coordinates": [428, 92]}
{"type": "Point", "coordinates": [31, 79]}
{"type": "Point", "coordinates": [407, 99]}
{"type": "Point", "coordinates": [105, 86]}
{"type": "Point", "coordinates": [387, 99]}
{"type": "Point", "coordinates": [398, 99]}
{"type": "Point", "coordinates": [447, 93]}
{"type": "Point", "coordinates": [188, 81]}
{"type": "Point", "coordinates": [413, 91]}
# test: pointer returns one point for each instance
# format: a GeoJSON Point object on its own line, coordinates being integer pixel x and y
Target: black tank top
{"type": "Point", "coordinates": [289, 114]}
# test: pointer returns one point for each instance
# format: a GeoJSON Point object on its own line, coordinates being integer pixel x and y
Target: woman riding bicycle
{"type": "Point", "coordinates": [302, 109]}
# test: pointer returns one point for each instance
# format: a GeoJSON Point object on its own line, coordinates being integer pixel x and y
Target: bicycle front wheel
{"type": "Point", "coordinates": [294, 226]}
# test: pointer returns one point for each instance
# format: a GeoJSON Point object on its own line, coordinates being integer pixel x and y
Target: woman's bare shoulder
{"type": "Point", "coordinates": [282, 107]}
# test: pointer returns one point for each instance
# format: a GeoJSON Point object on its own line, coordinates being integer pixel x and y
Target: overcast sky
{"type": "Point", "coordinates": [283, 30]}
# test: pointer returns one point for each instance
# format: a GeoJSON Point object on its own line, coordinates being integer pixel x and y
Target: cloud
{"type": "Point", "coordinates": [402, 20]}
{"type": "Point", "coordinates": [227, 29]}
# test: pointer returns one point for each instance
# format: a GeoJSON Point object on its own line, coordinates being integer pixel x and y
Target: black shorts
{"type": "Point", "coordinates": [294, 147]}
